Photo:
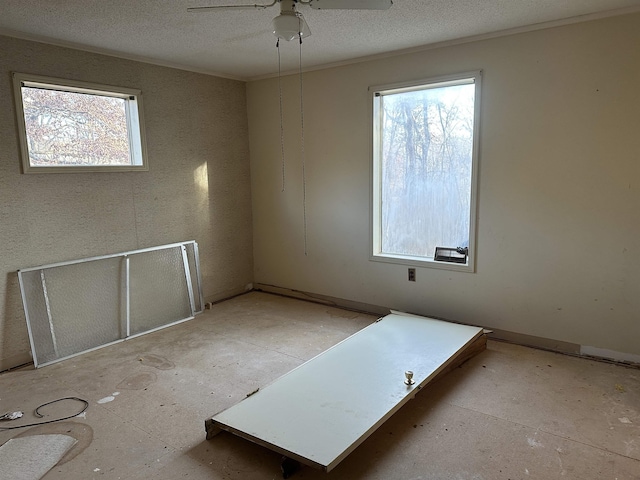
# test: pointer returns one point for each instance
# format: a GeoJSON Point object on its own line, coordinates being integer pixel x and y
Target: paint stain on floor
{"type": "Point", "coordinates": [156, 361]}
{"type": "Point", "coordinates": [109, 398]}
{"type": "Point", "coordinates": [139, 381]}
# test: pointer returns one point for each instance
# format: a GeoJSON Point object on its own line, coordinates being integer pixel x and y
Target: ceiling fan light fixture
{"type": "Point", "coordinates": [290, 25]}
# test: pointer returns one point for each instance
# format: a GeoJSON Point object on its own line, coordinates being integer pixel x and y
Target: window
{"type": "Point", "coordinates": [70, 126]}
{"type": "Point", "coordinates": [425, 149]}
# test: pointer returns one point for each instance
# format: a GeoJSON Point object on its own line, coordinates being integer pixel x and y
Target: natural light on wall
{"type": "Point", "coordinates": [424, 171]}
{"type": "Point", "coordinates": [69, 126]}
{"type": "Point", "coordinates": [201, 178]}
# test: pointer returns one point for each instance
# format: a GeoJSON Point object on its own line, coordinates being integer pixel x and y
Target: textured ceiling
{"type": "Point", "coordinates": [239, 43]}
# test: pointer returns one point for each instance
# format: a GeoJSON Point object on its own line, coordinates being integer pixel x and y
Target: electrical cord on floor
{"type": "Point", "coordinates": [37, 413]}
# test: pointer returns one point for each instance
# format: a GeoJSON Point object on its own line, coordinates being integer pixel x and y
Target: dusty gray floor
{"type": "Point", "coordinates": [509, 413]}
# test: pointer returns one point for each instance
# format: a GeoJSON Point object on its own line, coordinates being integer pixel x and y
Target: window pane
{"type": "Point", "coordinates": [426, 169]}
{"type": "Point", "coordinates": [75, 129]}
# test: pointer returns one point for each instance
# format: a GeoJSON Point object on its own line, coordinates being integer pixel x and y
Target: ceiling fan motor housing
{"type": "Point", "coordinates": [290, 23]}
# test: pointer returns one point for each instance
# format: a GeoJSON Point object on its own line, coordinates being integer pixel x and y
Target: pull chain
{"type": "Point", "coordinates": [304, 176]}
{"type": "Point", "coordinates": [281, 121]}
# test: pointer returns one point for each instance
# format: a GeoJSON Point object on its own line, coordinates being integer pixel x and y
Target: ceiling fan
{"type": "Point", "coordinates": [290, 23]}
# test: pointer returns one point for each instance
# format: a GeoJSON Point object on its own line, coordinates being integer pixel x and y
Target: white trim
{"type": "Point", "coordinates": [249, 78]}
{"type": "Point", "coordinates": [375, 93]}
{"type": "Point", "coordinates": [426, 262]}
{"type": "Point", "coordinates": [133, 112]}
{"type": "Point", "coordinates": [7, 32]}
{"type": "Point", "coordinates": [66, 85]}
{"type": "Point", "coordinates": [465, 78]}
{"type": "Point", "coordinates": [460, 41]}
{"type": "Point", "coordinates": [609, 354]}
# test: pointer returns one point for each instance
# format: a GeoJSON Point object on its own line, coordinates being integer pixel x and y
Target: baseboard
{"type": "Point", "coordinates": [324, 299]}
{"type": "Point", "coordinates": [15, 361]}
{"type": "Point", "coordinates": [567, 348]}
{"type": "Point", "coordinates": [227, 294]}
{"type": "Point", "coordinates": [610, 355]}
{"type": "Point", "coordinates": [525, 340]}
{"type": "Point", "coordinates": [533, 341]}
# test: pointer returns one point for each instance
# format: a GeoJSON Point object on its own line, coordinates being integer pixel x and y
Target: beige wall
{"type": "Point", "coordinates": [198, 186]}
{"type": "Point", "coordinates": [558, 225]}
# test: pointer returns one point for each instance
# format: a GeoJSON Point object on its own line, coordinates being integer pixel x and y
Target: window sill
{"type": "Point", "coordinates": [424, 262]}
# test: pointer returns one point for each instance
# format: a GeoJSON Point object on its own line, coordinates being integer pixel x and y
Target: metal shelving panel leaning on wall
{"type": "Point", "coordinates": [77, 306]}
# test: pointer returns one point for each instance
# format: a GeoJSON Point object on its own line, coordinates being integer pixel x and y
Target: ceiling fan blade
{"type": "Point", "coordinates": [350, 4]}
{"type": "Point", "coordinates": [229, 7]}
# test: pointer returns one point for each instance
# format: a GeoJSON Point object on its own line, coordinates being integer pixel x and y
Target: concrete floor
{"type": "Point", "coordinates": [509, 413]}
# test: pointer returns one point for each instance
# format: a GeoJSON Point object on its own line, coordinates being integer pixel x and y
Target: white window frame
{"type": "Point", "coordinates": [133, 111]}
{"type": "Point", "coordinates": [375, 235]}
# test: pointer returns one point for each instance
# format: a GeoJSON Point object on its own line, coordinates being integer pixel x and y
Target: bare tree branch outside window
{"type": "Point", "coordinates": [73, 126]}
{"type": "Point", "coordinates": [68, 128]}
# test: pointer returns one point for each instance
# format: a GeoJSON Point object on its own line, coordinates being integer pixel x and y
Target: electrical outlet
{"type": "Point", "coordinates": [412, 274]}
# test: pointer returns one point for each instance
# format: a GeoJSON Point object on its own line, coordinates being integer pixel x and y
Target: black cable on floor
{"type": "Point", "coordinates": [38, 414]}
